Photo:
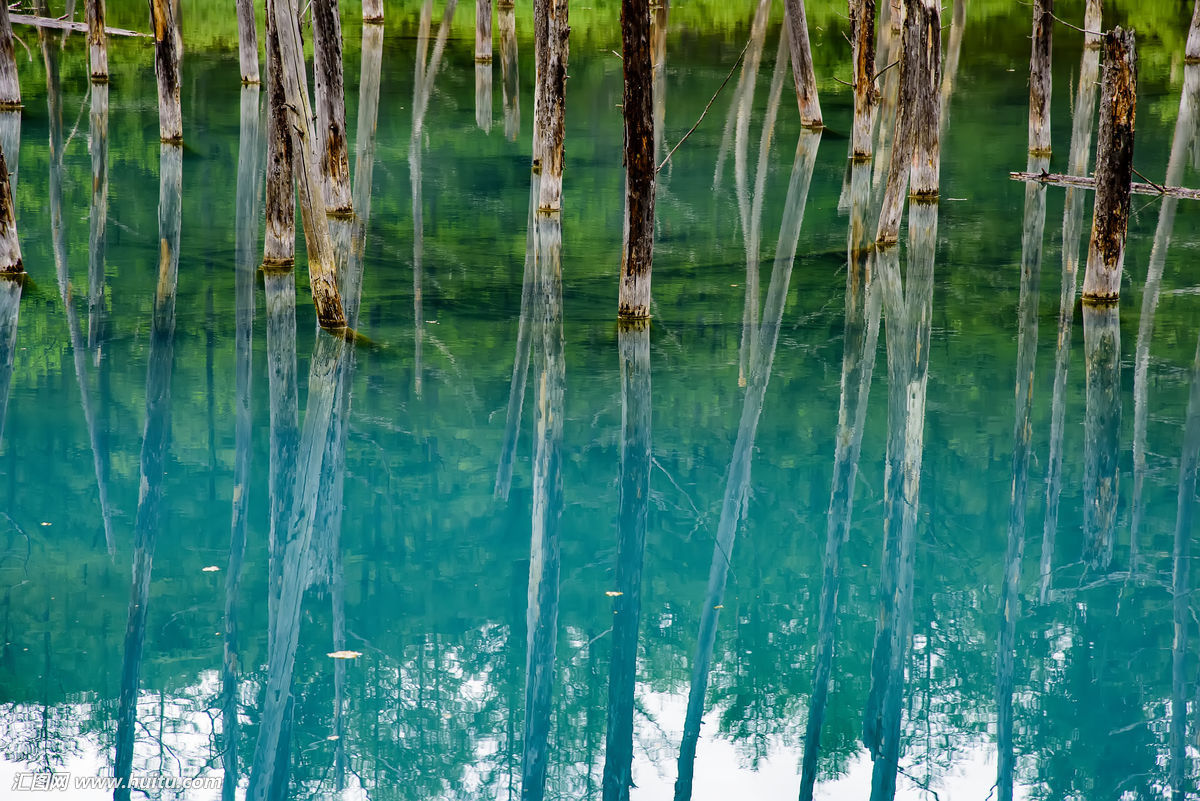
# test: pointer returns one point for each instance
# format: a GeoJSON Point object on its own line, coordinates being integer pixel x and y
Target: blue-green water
{"type": "Point", "coordinates": [427, 572]}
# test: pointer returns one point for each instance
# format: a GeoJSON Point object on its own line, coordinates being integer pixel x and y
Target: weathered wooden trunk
{"type": "Point", "coordinates": [10, 85]}
{"type": "Point", "coordinates": [1114, 166]}
{"type": "Point", "coordinates": [247, 40]}
{"type": "Point", "coordinates": [550, 105]}
{"type": "Point", "coordinates": [796, 25]}
{"type": "Point", "coordinates": [1093, 23]}
{"type": "Point", "coordinates": [862, 24]}
{"type": "Point", "coordinates": [322, 278]}
{"type": "Point", "coordinates": [1039, 78]}
{"type": "Point", "coordinates": [279, 242]}
{"type": "Point", "coordinates": [96, 39]}
{"type": "Point", "coordinates": [372, 11]}
{"type": "Point", "coordinates": [1191, 51]}
{"type": "Point", "coordinates": [637, 256]}
{"type": "Point", "coordinates": [483, 31]}
{"type": "Point", "coordinates": [958, 22]}
{"type": "Point", "coordinates": [1101, 431]}
{"type": "Point", "coordinates": [633, 506]}
{"type": "Point", "coordinates": [10, 246]}
{"type": "Point", "coordinates": [10, 312]}
{"type": "Point", "coordinates": [483, 95]}
{"type": "Point", "coordinates": [506, 22]}
{"type": "Point", "coordinates": [329, 77]}
{"type": "Point", "coordinates": [903, 127]}
{"type": "Point", "coordinates": [168, 62]}
{"type": "Point", "coordinates": [926, 161]}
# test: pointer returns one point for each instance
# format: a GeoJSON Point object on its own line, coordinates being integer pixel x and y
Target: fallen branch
{"type": "Point", "coordinates": [1087, 182]}
{"type": "Point", "coordinates": [65, 25]}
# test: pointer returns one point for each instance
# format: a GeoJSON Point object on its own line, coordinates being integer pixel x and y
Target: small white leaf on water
{"type": "Point", "coordinates": [210, 569]}
{"type": "Point", "coordinates": [344, 654]}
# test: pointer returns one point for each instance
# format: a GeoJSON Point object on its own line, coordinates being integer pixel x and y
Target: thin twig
{"type": "Point", "coordinates": [1076, 27]}
{"type": "Point", "coordinates": [885, 69]}
{"type": "Point", "coordinates": [1147, 180]}
{"type": "Point", "coordinates": [706, 108]}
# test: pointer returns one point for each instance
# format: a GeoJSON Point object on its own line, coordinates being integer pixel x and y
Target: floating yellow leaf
{"type": "Point", "coordinates": [345, 654]}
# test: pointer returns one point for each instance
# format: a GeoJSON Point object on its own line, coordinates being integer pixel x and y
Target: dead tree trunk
{"type": "Point", "coordinates": [862, 25]}
{"type": "Point", "coordinates": [926, 161]}
{"type": "Point", "coordinates": [483, 31]}
{"type": "Point", "coordinates": [637, 257]}
{"type": "Point", "coordinates": [279, 242]}
{"type": "Point", "coordinates": [796, 24]}
{"type": "Point", "coordinates": [483, 64]}
{"type": "Point", "coordinates": [330, 82]}
{"type": "Point", "coordinates": [1101, 431]}
{"type": "Point", "coordinates": [1114, 165]}
{"type": "Point", "coordinates": [96, 39]}
{"type": "Point", "coordinates": [10, 246]}
{"type": "Point", "coordinates": [550, 105]}
{"type": "Point", "coordinates": [1039, 78]}
{"type": "Point", "coordinates": [247, 39]}
{"type": "Point", "coordinates": [10, 85]}
{"type": "Point", "coordinates": [1191, 53]}
{"type": "Point", "coordinates": [322, 278]}
{"type": "Point", "coordinates": [168, 61]}
{"type": "Point", "coordinates": [11, 285]}
{"type": "Point", "coordinates": [372, 11]}
{"type": "Point", "coordinates": [506, 21]}
{"type": "Point", "coordinates": [958, 23]}
{"type": "Point", "coordinates": [98, 216]}
{"type": "Point", "coordinates": [1093, 23]}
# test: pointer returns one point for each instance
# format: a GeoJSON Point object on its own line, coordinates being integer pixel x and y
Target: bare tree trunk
{"type": "Point", "coordinates": [886, 119]}
{"type": "Point", "coordinates": [796, 25]}
{"type": "Point", "coordinates": [10, 85]}
{"type": "Point", "coordinates": [168, 61]}
{"type": "Point", "coordinates": [550, 105]}
{"type": "Point", "coordinates": [903, 129]}
{"type": "Point", "coordinates": [1081, 137]}
{"type": "Point", "coordinates": [506, 22]}
{"type": "Point", "coordinates": [633, 346]}
{"type": "Point", "coordinates": [372, 11]}
{"type": "Point", "coordinates": [863, 302]}
{"type": "Point", "coordinates": [247, 40]}
{"type": "Point", "coordinates": [1093, 23]}
{"type": "Point", "coordinates": [322, 278]}
{"type": "Point", "coordinates": [154, 454]}
{"type": "Point", "coordinates": [333, 150]}
{"type": "Point", "coordinates": [1185, 132]}
{"type": "Point", "coordinates": [279, 242]}
{"type": "Point", "coordinates": [1101, 431]}
{"type": "Point", "coordinates": [98, 217]}
{"type": "Point", "coordinates": [926, 161]}
{"type": "Point", "coordinates": [96, 39]}
{"type": "Point", "coordinates": [1039, 78]}
{"type": "Point", "coordinates": [862, 26]}
{"type": "Point", "coordinates": [10, 246]}
{"type": "Point", "coordinates": [958, 23]}
{"type": "Point", "coordinates": [10, 100]}
{"type": "Point", "coordinates": [368, 117]}
{"type": "Point", "coordinates": [483, 31]}
{"type": "Point", "coordinates": [738, 476]}
{"type": "Point", "coordinates": [542, 614]}
{"type": "Point", "coordinates": [1114, 165]}
{"type": "Point", "coordinates": [637, 257]}
{"type": "Point", "coordinates": [1191, 53]}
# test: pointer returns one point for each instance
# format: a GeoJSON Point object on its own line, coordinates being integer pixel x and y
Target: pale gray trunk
{"type": "Point", "coordinates": [1039, 78]}
{"type": "Point", "coordinates": [549, 110]}
{"type": "Point", "coordinates": [329, 77]}
{"type": "Point", "coordinates": [247, 40]}
{"type": "Point", "coordinates": [1101, 432]}
{"type": "Point", "coordinates": [795, 24]}
{"type": "Point", "coordinates": [10, 310]}
{"type": "Point", "coordinates": [10, 84]}
{"type": "Point", "coordinates": [98, 217]}
{"type": "Point", "coordinates": [168, 62]}
{"type": "Point", "coordinates": [506, 22]}
{"type": "Point", "coordinates": [279, 241]}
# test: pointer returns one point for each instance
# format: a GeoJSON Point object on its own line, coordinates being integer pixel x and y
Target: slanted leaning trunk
{"type": "Point", "coordinates": [506, 22]}
{"type": "Point", "coordinates": [329, 77]}
{"type": "Point", "coordinates": [637, 256]}
{"type": "Point", "coordinates": [862, 24]}
{"type": "Point", "coordinates": [796, 25]}
{"type": "Point", "coordinates": [549, 107]}
{"type": "Point", "coordinates": [279, 241]}
{"type": "Point", "coordinates": [96, 39]}
{"type": "Point", "coordinates": [168, 62]}
{"type": "Point", "coordinates": [1114, 166]}
{"type": "Point", "coordinates": [1101, 431]}
{"type": "Point", "coordinates": [1039, 78]}
{"type": "Point", "coordinates": [321, 276]}
{"type": "Point", "coordinates": [247, 40]}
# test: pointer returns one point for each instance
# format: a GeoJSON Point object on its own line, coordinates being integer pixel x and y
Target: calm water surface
{"type": "Point", "coordinates": [990, 619]}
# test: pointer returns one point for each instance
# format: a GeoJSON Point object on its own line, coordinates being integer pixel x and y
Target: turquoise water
{"type": "Point", "coordinates": [424, 569]}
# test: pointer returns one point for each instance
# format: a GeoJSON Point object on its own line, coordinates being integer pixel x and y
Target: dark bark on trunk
{"type": "Point", "coordinates": [1081, 138]}
{"type": "Point", "coordinates": [862, 27]}
{"type": "Point", "coordinates": [637, 257]}
{"type": "Point", "coordinates": [1101, 432]}
{"type": "Point", "coordinates": [329, 76]}
{"type": "Point", "coordinates": [154, 453]}
{"type": "Point", "coordinates": [903, 129]}
{"type": "Point", "coordinates": [506, 22]}
{"type": "Point", "coordinates": [168, 61]}
{"type": "Point", "coordinates": [279, 242]}
{"type": "Point", "coordinates": [247, 40]}
{"type": "Point", "coordinates": [321, 274]}
{"type": "Point", "coordinates": [542, 614]}
{"type": "Point", "coordinates": [926, 162]}
{"type": "Point", "coordinates": [1039, 78]}
{"type": "Point", "coordinates": [863, 304]}
{"type": "Point", "coordinates": [550, 104]}
{"type": "Point", "coordinates": [738, 476]}
{"type": "Point", "coordinates": [1114, 165]}
{"type": "Point", "coordinates": [796, 25]}
{"type": "Point", "coordinates": [98, 217]}
{"type": "Point", "coordinates": [633, 506]}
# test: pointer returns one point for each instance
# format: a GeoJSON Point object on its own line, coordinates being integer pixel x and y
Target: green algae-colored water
{"type": "Point", "coordinates": [121, 439]}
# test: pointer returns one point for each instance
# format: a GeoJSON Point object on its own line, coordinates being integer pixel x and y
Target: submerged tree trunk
{"type": "Point", "coordinates": [247, 41]}
{"type": "Point", "coordinates": [98, 217]}
{"type": "Point", "coordinates": [863, 302]}
{"type": "Point", "coordinates": [633, 506]}
{"type": "Point", "coordinates": [332, 148]}
{"type": "Point", "coordinates": [321, 276]}
{"type": "Point", "coordinates": [637, 256]}
{"type": "Point", "coordinates": [483, 64]}
{"type": "Point", "coordinates": [737, 479]}
{"type": "Point", "coordinates": [1101, 431]}
{"type": "Point", "coordinates": [542, 614]}
{"type": "Point", "coordinates": [1114, 165]}
{"type": "Point", "coordinates": [549, 107]}
{"type": "Point", "coordinates": [862, 26]}
{"type": "Point", "coordinates": [1081, 138]}
{"type": "Point", "coordinates": [168, 61]}
{"type": "Point", "coordinates": [10, 310]}
{"type": "Point", "coordinates": [10, 246]}
{"type": "Point", "coordinates": [658, 61]}
{"type": "Point", "coordinates": [506, 22]}
{"type": "Point", "coordinates": [958, 23]}
{"type": "Point", "coordinates": [154, 454]}
{"type": "Point", "coordinates": [1039, 78]}
{"type": "Point", "coordinates": [279, 241]}
{"type": "Point", "coordinates": [796, 25]}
